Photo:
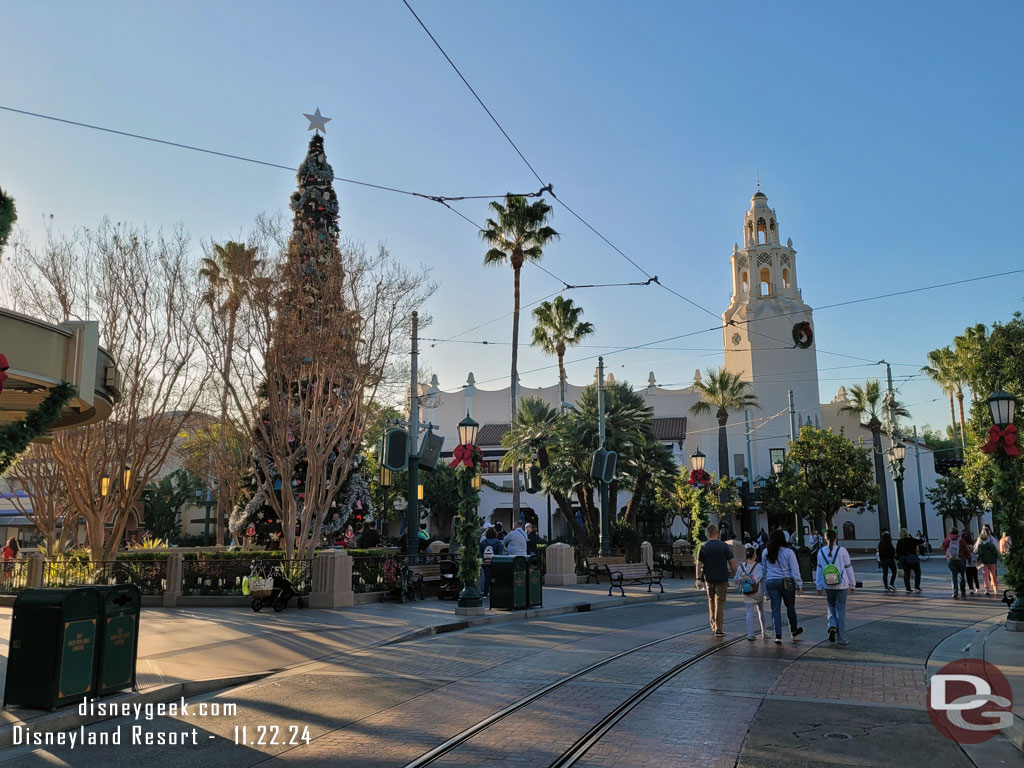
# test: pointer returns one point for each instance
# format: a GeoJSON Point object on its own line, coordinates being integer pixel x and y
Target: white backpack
{"type": "Point", "coordinates": [488, 554]}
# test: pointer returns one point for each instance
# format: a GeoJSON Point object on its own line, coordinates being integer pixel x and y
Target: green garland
{"type": "Point", "coordinates": [8, 215]}
{"type": "Point", "coordinates": [16, 436]}
{"type": "Point", "coordinates": [468, 529]}
{"type": "Point", "coordinates": [495, 486]}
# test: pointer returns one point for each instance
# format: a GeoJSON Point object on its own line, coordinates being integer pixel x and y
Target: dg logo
{"type": "Point", "coordinates": [970, 701]}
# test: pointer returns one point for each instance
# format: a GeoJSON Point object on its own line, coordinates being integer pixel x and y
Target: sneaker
{"type": "Point", "coordinates": [972, 591]}
{"type": "Point", "coordinates": [832, 634]}
{"type": "Point", "coordinates": [955, 596]}
{"type": "Point", "coordinates": [910, 591]}
{"type": "Point", "coordinates": [719, 634]}
{"type": "Point", "coordinates": [751, 637]}
{"type": "Point", "coordinates": [844, 642]}
{"type": "Point", "coordinates": [918, 590]}
{"type": "Point", "coordinates": [778, 639]}
{"type": "Point", "coordinates": [797, 632]}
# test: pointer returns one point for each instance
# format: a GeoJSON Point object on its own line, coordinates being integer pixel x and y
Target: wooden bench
{"type": "Point", "coordinates": [596, 566]}
{"type": "Point", "coordinates": [420, 574]}
{"type": "Point", "coordinates": [634, 573]}
{"type": "Point", "coordinates": [682, 561]}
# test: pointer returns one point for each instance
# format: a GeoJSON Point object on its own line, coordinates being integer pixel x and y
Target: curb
{"type": "Point", "coordinates": [533, 613]}
{"type": "Point", "coordinates": [68, 718]}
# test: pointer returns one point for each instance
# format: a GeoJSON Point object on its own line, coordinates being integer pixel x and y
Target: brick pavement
{"type": "Point", "coordinates": [845, 681]}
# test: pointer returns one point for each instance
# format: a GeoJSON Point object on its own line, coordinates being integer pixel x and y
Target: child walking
{"type": "Point", "coordinates": [750, 580]}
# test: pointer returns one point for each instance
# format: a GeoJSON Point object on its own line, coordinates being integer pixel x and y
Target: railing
{"type": "Point", "coordinates": [14, 576]}
{"type": "Point", "coordinates": [150, 576]}
{"type": "Point", "coordinates": [224, 577]}
{"type": "Point", "coordinates": [368, 572]}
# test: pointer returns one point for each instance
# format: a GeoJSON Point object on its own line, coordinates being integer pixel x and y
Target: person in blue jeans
{"type": "Point", "coordinates": [834, 578]}
{"type": "Point", "coordinates": [782, 578]}
{"type": "Point", "coordinates": [952, 546]}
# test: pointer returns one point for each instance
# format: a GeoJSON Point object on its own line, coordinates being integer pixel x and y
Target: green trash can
{"type": "Point", "coordinates": [118, 638]}
{"type": "Point", "coordinates": [534, 581]}
{"type": "Point", "coordinates": [803, 556]}
{"type": "Point", "coordinates": [53, 648]}
{"type": "Point", "coordinates": [508, 582]}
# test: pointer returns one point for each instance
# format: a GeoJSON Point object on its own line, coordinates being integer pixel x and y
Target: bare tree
{"type": "Point", "coordinates": [145, 291]}
{"type": "Point", "coordinates": [37, 476]}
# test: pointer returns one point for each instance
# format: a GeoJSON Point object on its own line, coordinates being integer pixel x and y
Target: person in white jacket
{"type": "Point", "coordinates": [834, 577]}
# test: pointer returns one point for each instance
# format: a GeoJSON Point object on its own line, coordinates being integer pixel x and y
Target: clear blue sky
{"type": "Point", "coordinates": [887, 136]}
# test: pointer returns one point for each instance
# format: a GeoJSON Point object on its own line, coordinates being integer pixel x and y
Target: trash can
{"type": "Point", "coordinates": [803, 556]}
{"type": "Point", "coordinates": [118, 638]}
{"type": "Point", "coordinates": [52, 654]}
{"type": "Point", "coordinates": [508, 582]}
{"type": "Point", "coordinates": [534, 580]}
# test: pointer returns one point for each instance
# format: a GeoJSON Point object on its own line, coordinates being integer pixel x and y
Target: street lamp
{"type": "Point", "coordinates": [777, 467]}
{"type": "Point", "coordinates": [206, 522]}
{"type": "Point", "coordinates": [466, 453]}
{"type": "Point", "coordinates": [104, 485]}
{"type": "Point", "coordinates": [697, 459]}
{"type": "Point", "coordinates": [1003, 434]}
{"type": "Point", "coordinates": [897, 454]}
{"type": "Point", "coordinates": [468, 430]}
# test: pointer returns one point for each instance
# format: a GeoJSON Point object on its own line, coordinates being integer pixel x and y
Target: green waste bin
{"type": "Point", "coordinates": [534, 581]}
{"type": "Point", "coordinates": [508, 582]}
{"type": "Point", "coordinates": [118, 638]}
{"type": "Point", "coordinates": [803, 556]}
{"type": "Point", "coordinates": [52, 654]}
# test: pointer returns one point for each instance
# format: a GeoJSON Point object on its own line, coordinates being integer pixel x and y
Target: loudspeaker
{"type": "Point", "coordinates": [430, 451]}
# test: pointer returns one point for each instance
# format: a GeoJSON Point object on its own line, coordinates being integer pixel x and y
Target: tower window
{"type": "Point", "coordinates": [766, 282]}
{"type": "Point", "coordinates": [750, 231]}
{"type": "Point", "coordinates": [744, 286]}
{"type": "Point", "coordinates": [785, 279]}
{"type": "Point", "coordinates": [771, 225]}
{"type": "Point", "coordinates": [762, 231]}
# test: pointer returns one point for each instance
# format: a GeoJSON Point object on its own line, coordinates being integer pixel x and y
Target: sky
{"type": "Point", "coordinates": [886, 136]}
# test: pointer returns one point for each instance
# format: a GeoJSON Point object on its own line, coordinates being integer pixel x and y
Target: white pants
{"type": "Point", "coordinates": [755, 616]}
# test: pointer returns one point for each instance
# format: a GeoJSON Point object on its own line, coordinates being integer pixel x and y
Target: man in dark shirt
{"type": "Point", "coordinates": [370, 537]}
{"type": "Point", "coordinates": [715, 569]}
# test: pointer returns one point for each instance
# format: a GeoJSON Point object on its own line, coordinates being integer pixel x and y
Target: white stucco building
{"type": "Point", "coordinates": [768, 338]}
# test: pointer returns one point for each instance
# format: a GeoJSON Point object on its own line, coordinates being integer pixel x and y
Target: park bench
{"type": "Point", "coordinates": [596, 566]}
{"type": "Point", "coordinates": [420, 574]}
{"type": "Point", "coordinates": [634, 573]}
{"type": "Point", "coordinates": [681, 562]}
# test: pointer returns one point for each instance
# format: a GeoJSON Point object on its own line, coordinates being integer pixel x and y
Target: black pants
{"type": "Point", "coordinates": [888, 565]}
{"type": "Point", "coordinates": [972, 577]}
{"type": "Point", "coordinates": [907, 569]}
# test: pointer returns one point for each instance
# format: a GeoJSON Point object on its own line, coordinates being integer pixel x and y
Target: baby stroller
{"type": "Point", "coordinates": [397, 583]}
{"type": "Point", "coordinates": [449, 586]}
{"type": "Point", "coordinates": [268, 585]}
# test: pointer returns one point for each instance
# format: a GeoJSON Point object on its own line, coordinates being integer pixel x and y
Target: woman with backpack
{"type": "Point", "coordinates": [750, 580]}
{"type": "Point", "coordinates": [907, 552]}
{"type": "Point", "coordinates": [955, 562]}
{"type": "Point", "coordinates": [782, 580]}
{"type": "Point", "coordinates": [834, 578]}
{"type": "Point", "coordinates": [988, 560]}
{"type": "Point", "coordinates": [887, 561]}
{"type": "Point", "coordinates": [489, 547]}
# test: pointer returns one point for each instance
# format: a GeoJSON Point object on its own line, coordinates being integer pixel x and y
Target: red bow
{"type": "Point", "coordinates": [1007, 436]}
{"type": "Point", "coordinates": [464, 454]}
{"type": "Point", "coordinates": [3, 367]}
{"type": "Point", "coordinates": [700, 478]}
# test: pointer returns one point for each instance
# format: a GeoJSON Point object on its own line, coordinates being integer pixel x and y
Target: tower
{"type": "Point", "coordinates": [769, 332]}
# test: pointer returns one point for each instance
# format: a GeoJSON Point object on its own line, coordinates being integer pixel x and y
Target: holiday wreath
{"type": "Point", "coordinates": [802, 334]}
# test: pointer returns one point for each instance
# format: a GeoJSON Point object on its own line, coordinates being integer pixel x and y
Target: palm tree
{"type": "Point", "coordinates": [519, 235]}
{"type": "Point", "coordinates": [559, 326]}
{"type": "Point", "coordinates": [227, 273]}
{"type": "Point", "coordinates": [944, 369]}
{"type": "Point", "coordinates": [723, 391]}
{"type": "Point", "coordinates": [867, 402]}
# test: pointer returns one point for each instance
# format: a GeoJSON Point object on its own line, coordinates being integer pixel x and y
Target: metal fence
{"type": "Point", "coordinates": [224, 577]}
{"type": "Point", "coordinates": [14, 576]}
{"type": "Point", "coordinates": [368, 572]}
{"type": "Point", "coordinates": [150, 576]}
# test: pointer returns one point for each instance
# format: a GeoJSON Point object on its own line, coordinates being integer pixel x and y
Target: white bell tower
{"type": "Point", "coordinates": [769, 331]}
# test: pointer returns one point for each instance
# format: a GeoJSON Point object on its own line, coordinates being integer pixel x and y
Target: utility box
{"type": "Point", "coordinates": [534, 581]}
{"type": "Point", "coordinates": [51, 660]}
{"type": "Point", "coordinates": [508, 582]}
{"type": "Point", "coordinates": [118, 638]}
{"type": "Point", "coordinates": [803, 556]}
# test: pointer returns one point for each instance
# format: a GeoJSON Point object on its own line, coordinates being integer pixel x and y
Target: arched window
{"type": "Point", "coordinates": [849, 531]}
{"type": "Point", "coordinates": [762, 231]}
{"type": "Point", "coordinates": [750, 231]}
{"type": "Point", "coordinates": [743, 282]}
{"type": "Point", "coordinates": [766, 282]}
{"type": "Point", "coordinates": [771, 226]}
{"type": "Point", "coordinates": [785, 279]}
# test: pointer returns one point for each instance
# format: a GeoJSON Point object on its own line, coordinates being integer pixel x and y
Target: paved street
{"type": "Point", "coordinates": [808, 703]}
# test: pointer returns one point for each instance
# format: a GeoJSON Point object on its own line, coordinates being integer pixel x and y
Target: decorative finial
{"type": "Point", "coordinates": [317, 122]}
{"type": "Point", "coordinates": [757, 177]}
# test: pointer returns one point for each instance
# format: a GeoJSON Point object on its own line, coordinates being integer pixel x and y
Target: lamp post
{"type": "Point", "coordinates": [206, 521]}
{"type": "Point", "coordinates": [897, 454]}
{"type": "Point", "coordinates": [385, 484]}
{"type": "Point", "coordinates": [466, 453]}
{"type": "Point", "coordinates": [1002, 442]}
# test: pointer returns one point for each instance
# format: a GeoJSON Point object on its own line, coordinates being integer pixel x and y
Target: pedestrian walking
{"type": "Point", "coordinates": [835, 578]}
{"type": "Point", "coordinates": [887, 561]}
{"type": "Point", "coordinates": [955, 562]}
{"type": "Point", "coordinates": [907, 552]}
{"type": "Point", "coordinates": [489, 547]}
{"type": "Point", "coordinates": [782, 580]}
{"type": "Point", "coordinates": [9, 555]}
{"type": "Point", "coordinates": [970, 562]}
{"type": "Point", "coordinates": [988, 559]}
{"type": "Point", "coordinates": [750, 580]}
{"type": "Point", "coordinates": [715, 568]}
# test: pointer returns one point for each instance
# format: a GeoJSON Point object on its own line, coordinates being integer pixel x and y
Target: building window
{"type": "Point", "coordinates": [785, 279]}
{"type": "Point", "coordinates": [766, 282]}
{"type": "Point", "coordinates": [849, 531]}
{"type": "Point", "coordinates": [740, 463]}
{"type": "Point", "coordinates": [777, 456]}
{"type": "Point", "coordinates": [744, 286]}
{"type": "Point", "coordinates": [762, 231]}
{"type": "Point", "coordinates": [492, 467]}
